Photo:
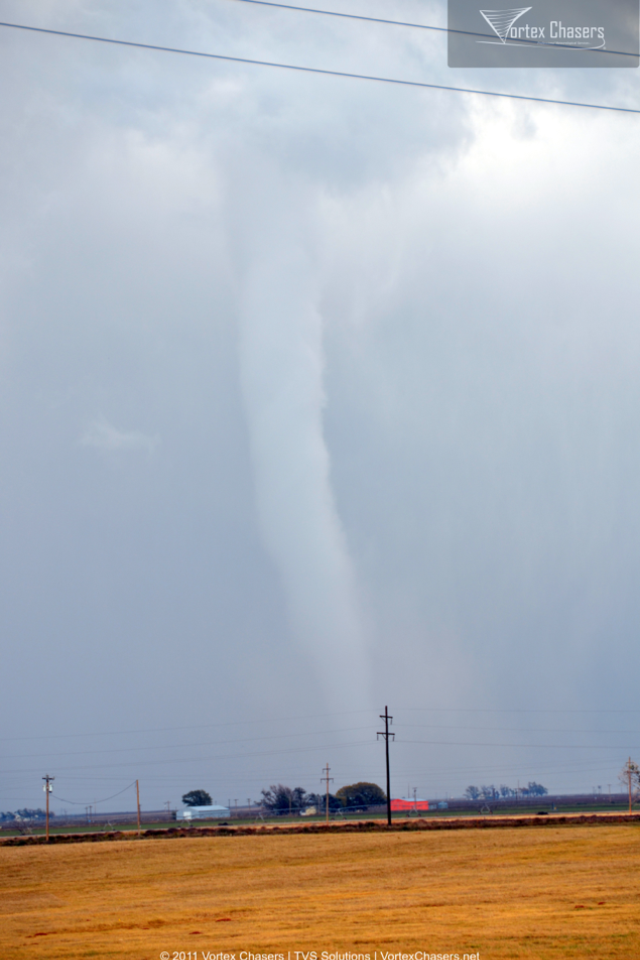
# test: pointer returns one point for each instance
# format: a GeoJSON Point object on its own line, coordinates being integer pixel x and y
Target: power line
{"type": "Point", "coordinates": [522, 746]}
{"type": "Point", "coordinates": [508, 710]}
{"type": "Point", "coordinates": [423, 26]}
{"type": "Point", "coordinates": [232, 756]}
{"type": "Point", "coordinates": [182, 746]}
{"type": "Point", "coordinates": [432, 726]}
{"type": "Point", "coordinates": [313, 716]}
{"type": "Point", "coordinates": [563, 764]}
{"type": "Point", "coordinates": [199, 726]}
{"type": "Point", "coordinates": [440, 772]}
{"type": "Point", "coordinates": [318, 70]}
{"type": "Point", "coordinates": [355, 16]}
{"type": "Point", "coordinates": [340, 746]}
{"type": "Point", "coordinates": [312, 733]}
{"type": "Point", "coordinates": [81, 803]}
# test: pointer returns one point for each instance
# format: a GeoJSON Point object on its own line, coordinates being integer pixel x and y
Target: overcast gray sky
{"type": "Point", "coordinates": [316, 395]}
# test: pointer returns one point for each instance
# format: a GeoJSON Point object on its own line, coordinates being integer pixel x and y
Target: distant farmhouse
{"type": "Point", "coordinates": [212, 812]}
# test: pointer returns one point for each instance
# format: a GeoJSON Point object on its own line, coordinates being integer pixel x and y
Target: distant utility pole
{"type": "Point", "coordinates": [48, 789]}
{"type": "Point", "coordinates": [167, 804]}
{"type": "Point", "coordinates": [387, 720]}
{"type": "Point", "coordinates": [629, 779]}
{"type": "Point", "coordinates": [327, 779]}
{"type": "Point", "coordinates": [138, 803]}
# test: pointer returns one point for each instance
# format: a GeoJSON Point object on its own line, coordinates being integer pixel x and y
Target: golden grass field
{"type": "Point", "coordinates": [551, 892]}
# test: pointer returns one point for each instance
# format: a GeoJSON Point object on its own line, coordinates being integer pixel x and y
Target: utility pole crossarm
{"type": "Point", "coordinates": [387, 736]}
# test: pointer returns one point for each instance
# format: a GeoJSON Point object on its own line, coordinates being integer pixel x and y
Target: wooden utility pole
{"type": "Point", "coordinates": [138, 803]}
{"type": "Point", "coordinates": [327, 779]}
{"type": "Point", "coordinates": [387, 720]}
{"type": "Point", "coordinates": [47, 789]}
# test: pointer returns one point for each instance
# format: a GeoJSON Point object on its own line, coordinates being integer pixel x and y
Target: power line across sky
{"type": "Point", "coordinates": [419, 26]}
{"type": "Point", "coordinates": [262, 721]}
{"type": "Point", "coordinates": [318, 70]}
{"type": "Point", "coordinates": [273, 755]}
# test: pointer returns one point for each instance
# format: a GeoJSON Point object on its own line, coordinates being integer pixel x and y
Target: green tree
{"type": "Point", "coordinates": [27, 814]}
{"type": "Point", "coordinates": [488, 792]}
{"type": "Point", "coordinates": [534, 790]}
{"type": "Point", "coordinates": [197, 798]}
{"type": "Point", "coordinates": [319, 801]}
{"type": "Point", "coordinates": [358, 796]}
{"type": "Point", "coordinates": [282, 800]}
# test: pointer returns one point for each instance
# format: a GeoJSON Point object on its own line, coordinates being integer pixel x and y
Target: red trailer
{"type": "Point", "coordinates": [406, 806]}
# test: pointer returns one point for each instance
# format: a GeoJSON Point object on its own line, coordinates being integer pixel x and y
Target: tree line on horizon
{"type": "Point", "coordinates": [503, 792]}
{"type": "Point", "coordinates": [280, 800]}
{"type": "Point", "coordinates": [25, 814]}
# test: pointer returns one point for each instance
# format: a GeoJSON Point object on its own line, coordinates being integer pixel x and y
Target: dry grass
{"type": "Point", "coordinates": [567, 892]}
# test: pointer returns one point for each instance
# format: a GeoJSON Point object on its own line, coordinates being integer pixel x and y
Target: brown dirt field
{"type": "Point", "coordinates": [557, 892]}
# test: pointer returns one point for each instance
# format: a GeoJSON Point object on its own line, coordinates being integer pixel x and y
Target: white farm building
{"type": "Point", "coordinates": [213, 812]}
